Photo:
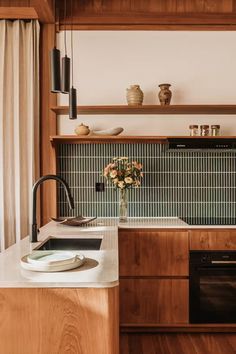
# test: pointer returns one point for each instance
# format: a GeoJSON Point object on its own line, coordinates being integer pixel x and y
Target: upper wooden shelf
{"type": "Point", "coordinates": [150, 109]}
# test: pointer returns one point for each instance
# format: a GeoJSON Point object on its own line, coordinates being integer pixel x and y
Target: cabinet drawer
{"type": "Point", "coordinates": [213, 239]}
{"type": "Point", "coordinates": [153, 253]}
{"type": "Point", "coordinates": [154, 301]}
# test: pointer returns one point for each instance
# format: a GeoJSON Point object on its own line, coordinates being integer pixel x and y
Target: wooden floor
{"type": "Point", "coordinates": [178, 344]}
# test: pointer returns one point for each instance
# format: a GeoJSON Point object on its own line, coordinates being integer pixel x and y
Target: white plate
{"type": "Point", "coordinates": [51, 257]}
{"type": "Point", "coordinates": [44, 267]}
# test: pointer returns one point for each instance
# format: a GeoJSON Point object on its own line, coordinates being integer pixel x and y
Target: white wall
{"type": "Point", "coordinates": [200, 66]}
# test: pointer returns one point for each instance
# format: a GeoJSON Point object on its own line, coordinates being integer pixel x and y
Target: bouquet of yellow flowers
{"type": "Point", "coordinates": [124, 174]}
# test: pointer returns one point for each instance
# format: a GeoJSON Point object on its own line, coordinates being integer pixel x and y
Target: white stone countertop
{"type": "Point", "coordinates": [101, 267]}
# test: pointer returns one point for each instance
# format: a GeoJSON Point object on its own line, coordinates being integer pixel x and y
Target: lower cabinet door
{"type": "Point", "coordinates": [154, 301]}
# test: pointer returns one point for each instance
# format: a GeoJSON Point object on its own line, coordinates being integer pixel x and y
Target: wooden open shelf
{"type": "Point", "coordinates": [150, 109]}
{"type": "Point", "coordinates": [75, 139]}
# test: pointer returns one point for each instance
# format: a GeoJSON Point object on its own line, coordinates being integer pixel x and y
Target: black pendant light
{"type": "Point", "coordinates": [73, 103]}
{"type": "Point", "coordinates": [73, 93]}
{"type": "Point", "coordinates": [55, 70]}
{"type": "Point", "coordinates": [55, 63]}
{"type": "Point", "coordinates": [65, 74]}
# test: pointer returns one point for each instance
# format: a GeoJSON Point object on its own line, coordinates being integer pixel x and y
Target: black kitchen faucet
{"type": "Point", "coordinates": [34, 227]}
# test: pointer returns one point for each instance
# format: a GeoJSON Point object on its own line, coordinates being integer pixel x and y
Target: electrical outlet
{"type": "Point", "coordinates": [99, 187]}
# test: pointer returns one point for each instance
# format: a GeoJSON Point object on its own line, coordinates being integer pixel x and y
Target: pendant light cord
{"type": "Point", "coordinates": [55, 26]}
{"type": "Point", "coordinates": [72, 51]}
{"type": "Point", "coordinates": [65, 29]}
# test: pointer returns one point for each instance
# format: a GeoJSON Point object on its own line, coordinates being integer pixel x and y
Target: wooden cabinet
{"type": "Point", "coordinates": [153, 253]}
{"type": "Point", "coordinates": [154, 270]}
{"type": "Point", "coordinates": [60, 320]}
{"type": "Point", "coordinates": [153, 277]}
{"type": "Point", "coordinates": [213, 239]}
{"type": "Point", "coordinates": [153, 301]}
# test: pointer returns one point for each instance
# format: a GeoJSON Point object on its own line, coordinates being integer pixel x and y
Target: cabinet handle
{"type": "Point", "coordinates": [223, 262]}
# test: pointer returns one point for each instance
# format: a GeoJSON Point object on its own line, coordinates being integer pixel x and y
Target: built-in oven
{"type": "Point", "coordinates": [212, 291]}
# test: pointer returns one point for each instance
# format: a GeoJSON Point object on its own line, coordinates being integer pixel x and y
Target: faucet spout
{"type": "Point", "coordinates": [34, 227]}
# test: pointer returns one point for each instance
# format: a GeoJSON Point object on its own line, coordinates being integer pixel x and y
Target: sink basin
{"type": "Point", "coordinates": [71, 244]}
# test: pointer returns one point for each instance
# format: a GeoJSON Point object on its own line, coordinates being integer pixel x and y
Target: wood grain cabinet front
{"type": "Point", "coordinates": [59, 321]}
{"type": "Point", "coordinates": [153, 253]}
{"type": "Point", "coordinates": [153, 301]}
{"type": "Point", "coordinates": [220, 239]}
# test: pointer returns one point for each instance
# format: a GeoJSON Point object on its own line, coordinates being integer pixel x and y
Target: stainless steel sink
{"type": "Point", "coordinates": [70, 244]}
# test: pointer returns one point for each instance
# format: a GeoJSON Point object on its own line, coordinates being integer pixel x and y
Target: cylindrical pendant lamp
{"type": "Point", "coordinates": [65, 76]}
{"type": "Point", "coordinates": [73, 103]}
{"type": "Point", "coordinates": [55, 70]}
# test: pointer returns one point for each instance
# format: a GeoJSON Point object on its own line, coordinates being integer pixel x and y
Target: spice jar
{"type": "Point", "coordinates": [215, 130]}
{"type": "Point", "coordinates": [193, 130]}
{"type": "Point", "coordinates": [204, 130]}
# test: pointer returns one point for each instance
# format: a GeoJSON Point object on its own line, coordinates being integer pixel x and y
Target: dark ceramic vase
{"type": "Point", "coordinates": [165, 94]}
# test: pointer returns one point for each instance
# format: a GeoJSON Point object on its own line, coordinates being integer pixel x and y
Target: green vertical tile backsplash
{"type": "Point", "coordinates": [175, 183]}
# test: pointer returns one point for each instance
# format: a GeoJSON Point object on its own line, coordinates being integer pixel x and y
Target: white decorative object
{"type": "Point", "coordinates": [112, 131]}
{"type": "Point", "coordinates": [52, 261]}
{"type": "Point", "coordinates": [51, 257]}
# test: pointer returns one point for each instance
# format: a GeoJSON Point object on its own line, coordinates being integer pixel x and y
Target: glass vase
{"type": "Point", "coordinates": [123, 205]}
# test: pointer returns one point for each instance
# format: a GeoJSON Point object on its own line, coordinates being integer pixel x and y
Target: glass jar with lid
{"type": "Point", "coordinates": [204, 130]}
{"type": "Point", "coordinates": [193, 130]}
{"type": "Point", "coordinates": [215, 130]}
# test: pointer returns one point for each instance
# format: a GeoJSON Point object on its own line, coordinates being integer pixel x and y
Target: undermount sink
{"type": "Point", "coordinates": [70, 244]}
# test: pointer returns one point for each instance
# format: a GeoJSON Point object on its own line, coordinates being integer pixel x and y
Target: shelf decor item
{"type": "Point", "coordinates": [108, 132]}
{"type": "Point", "coordinates": [204, 129]}
{"type": "Point", "coordinates": [193, 130]}
{"type": "Point", "coordinates": [123, 175]}
{"type": "Point", "coordinates": [134, 95]}
{"type": "Point", "coordinates": [82, 129]}
{"type": "Point", "coordinates": [165, 94]}
{"type": "Point", "coordinates": [215, 130]}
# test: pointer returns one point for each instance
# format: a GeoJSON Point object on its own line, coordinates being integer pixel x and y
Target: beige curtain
{"type": "Point", "coordinates": [19, 126]}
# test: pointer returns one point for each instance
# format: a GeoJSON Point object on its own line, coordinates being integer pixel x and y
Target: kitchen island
{"type": "Point", "coordinates": [74, 311]}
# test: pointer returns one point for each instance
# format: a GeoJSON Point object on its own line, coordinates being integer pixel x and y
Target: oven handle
{"type": "Point", "coordinates": [223, 262]}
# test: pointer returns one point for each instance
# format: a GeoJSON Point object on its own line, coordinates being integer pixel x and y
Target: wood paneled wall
{"type": "Point", "coordinates": [149, 14]}
{"type": "Point", "coordinates": [28, 9]}
{"type": "Point", "coordinates": [48, 125]}
{"type": "Point", "coordinates": [14, 3]}
{"type": "Point", "coordinates": [171, 6]}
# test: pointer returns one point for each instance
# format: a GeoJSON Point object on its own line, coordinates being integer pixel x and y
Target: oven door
{"type": "Point", "coordinates": [213, 293]}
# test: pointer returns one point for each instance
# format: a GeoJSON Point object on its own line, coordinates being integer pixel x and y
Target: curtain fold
{"type": "Point", "coordinates": [19, 126]}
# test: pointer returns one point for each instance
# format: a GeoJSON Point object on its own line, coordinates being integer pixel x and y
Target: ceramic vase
{"type": "Point", "coordinates": [82, 129]}
{"type": "Point", "coordinates": [165, 94]}
{"type": "Point", "coordinates": [134, 95]}
{"type": "Point", "coordinates": [123, 208]}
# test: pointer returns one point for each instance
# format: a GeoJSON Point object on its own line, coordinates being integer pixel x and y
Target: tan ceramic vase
{"type": "Point", "coordinates": [82, 129]}
{"type": "Point", "coordinates": [134, 95]}
{"type": "Point", "coordinates": [164, 94]}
